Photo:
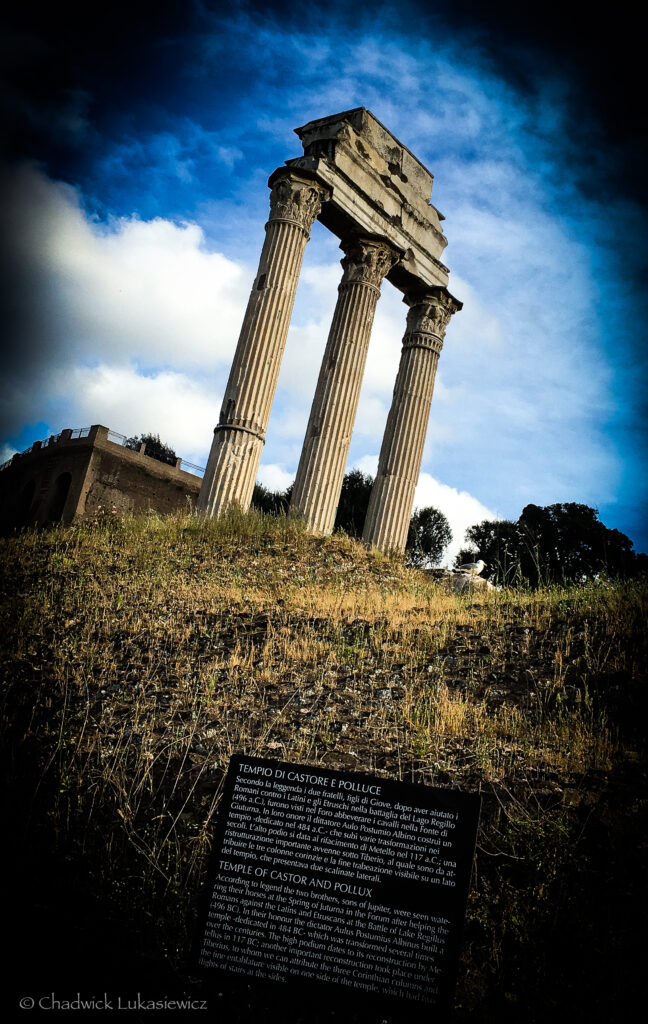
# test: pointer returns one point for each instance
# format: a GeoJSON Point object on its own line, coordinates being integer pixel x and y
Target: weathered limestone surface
{"type": "Point", "coordinates": [399, 463]}
{"type": "Point", "coordinates": [378, 187]}
{"type": "Point", "coordinates": [240, 435]}
{"type": "Point", "coordinates": [318, 483]}
{"type": "Point", "coordinates": [373, 193]}
{"type": "Point", "coordinates": [460, 582]}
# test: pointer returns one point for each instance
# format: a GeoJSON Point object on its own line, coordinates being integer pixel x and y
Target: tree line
{"type": "Point", "coordinates": [559, 543]}
{"type": "Point", "coordinates": [429, 530]}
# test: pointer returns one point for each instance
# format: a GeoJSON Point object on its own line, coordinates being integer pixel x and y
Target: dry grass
{"type": "Point", "coordinates": [140, 653]}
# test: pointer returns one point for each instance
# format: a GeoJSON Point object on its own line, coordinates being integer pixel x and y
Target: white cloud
{"type": "Point", "coordinates": [478, 323]}
{"type": "Point", "coordinates": [129, 323]}
{"type": "Point", "coordinates": [7, 451]}
{"type": "Point", "coordinates": [127, 289]}
{"type": "Point", "coordinates": [460, 508]}
{"type": "Point", "coordinates": [323, 280]}
{"type": "Point", "coordinates": [368, 464]}
{"type": "Point", "coordinates": [386, 342]}
{"type": "Point", "coordinates": [181, 410]}
{"type": "Point", "coordinates": [275, 477]}
{"type": "Point", "coordinates": [170, 300]}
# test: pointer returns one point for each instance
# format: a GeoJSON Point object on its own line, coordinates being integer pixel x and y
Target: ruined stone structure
{"type": "Point", "coordinates": [87, 472]}
{"type": "Point", "coordinates": [371, 192]}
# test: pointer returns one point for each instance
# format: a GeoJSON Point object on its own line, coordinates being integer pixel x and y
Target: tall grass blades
{"type": "Point", "coordinates": [140, 653]}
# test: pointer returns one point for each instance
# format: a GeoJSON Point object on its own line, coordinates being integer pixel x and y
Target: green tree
{"type": "Point", "coordinates": [560, 543]}
{"type": "Point", "coordinates": [353, 503]}
{"type": "Point", "coordinates": [273, 503]}
{"type": "Point", "coordinates": [570, 543]}
{"type": "Point", "coordinates": [155, 448]}
{"type": "Point", "coordinates": [497, 542]}
{"type": "Point", "coordinates": [352, 506]}
{"type": "Point", "coordinates": [428, 536]}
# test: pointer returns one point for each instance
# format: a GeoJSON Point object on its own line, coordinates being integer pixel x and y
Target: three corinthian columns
{"type": "Point", "coordinates": [295, 203]}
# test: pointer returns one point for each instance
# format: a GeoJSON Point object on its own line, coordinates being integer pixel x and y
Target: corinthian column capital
{"type": "Point", "coordinates": [367, 261]}
{"type": "Point", "coordinates": [296, 200]}
{"type": "Point", "coordinates": [430, 312]}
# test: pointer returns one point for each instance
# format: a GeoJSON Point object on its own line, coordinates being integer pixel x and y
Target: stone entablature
{"type": "Point", "coordinates": [373, 193]}
{"type": "Point", "coordinates": [85, 473]}
{"type": "Point", "coordinates": [377, 187]}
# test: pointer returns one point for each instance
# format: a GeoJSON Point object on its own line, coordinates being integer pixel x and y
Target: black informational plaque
{"type": "Point", "coordinates": [349, 884]}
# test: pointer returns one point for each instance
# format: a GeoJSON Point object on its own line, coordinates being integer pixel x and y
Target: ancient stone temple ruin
{"type": "Point", "coordinates": [371, 192]}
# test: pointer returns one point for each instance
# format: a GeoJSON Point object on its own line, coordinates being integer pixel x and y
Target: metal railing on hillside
{"type": "Point", "coordinates": [120, 439]}
{"type": "Point", "coordinates": [117, 438]}
{"type": "Point", "coordinates": [189, 467]}
{"type": "Point", "coordinates": [127, 442]}
{"type": "Point", "coordinates": [52, 439]}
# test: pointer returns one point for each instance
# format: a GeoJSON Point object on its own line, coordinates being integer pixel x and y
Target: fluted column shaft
{"type": "Point", "coordinates": [316, 492]}
{"type": "Point", "coordinates": [240, 434]}
{"type": "Point", "coordinates": [392, 496]}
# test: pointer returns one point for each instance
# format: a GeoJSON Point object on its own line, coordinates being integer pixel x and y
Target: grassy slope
{"type": "Point", "coordinates": [141, 653]}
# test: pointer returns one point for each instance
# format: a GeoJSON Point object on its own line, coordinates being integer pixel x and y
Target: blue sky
{"type": "Point", "coordinates": [134, 203]}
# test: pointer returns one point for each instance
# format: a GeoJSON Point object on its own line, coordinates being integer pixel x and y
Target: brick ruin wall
{"type": "Point", "coordinates": [130, 482]}
{"type": "Point", "coordinates": [89, 476]}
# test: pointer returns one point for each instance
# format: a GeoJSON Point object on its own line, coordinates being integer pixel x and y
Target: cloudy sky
{"type": "Point", "coordinates": [134, 198]}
